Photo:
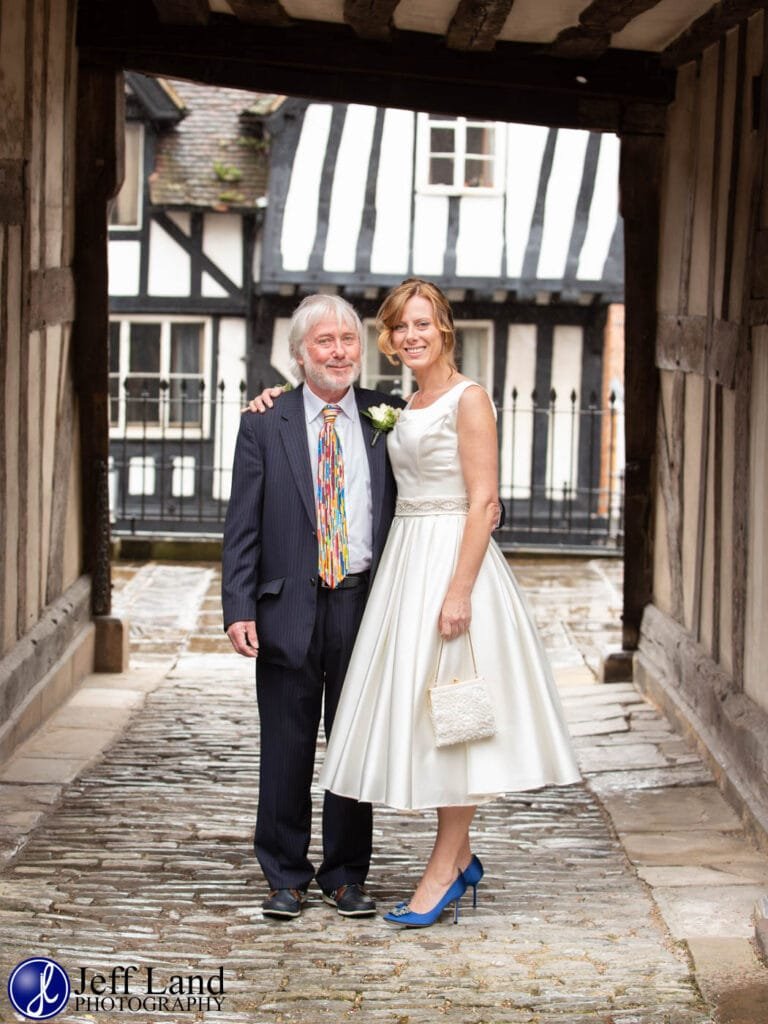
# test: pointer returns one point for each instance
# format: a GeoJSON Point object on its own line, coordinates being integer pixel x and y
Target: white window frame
{"type": "Point", "coordinates": [139, 183]}
{"type": "Point", "coordinates": [166, 431]}
{"type": "Point", "coordinates": [458, 187]}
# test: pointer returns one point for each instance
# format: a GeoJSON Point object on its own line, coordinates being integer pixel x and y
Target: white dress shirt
{"type": "Point", "coordinates": [357, 475]}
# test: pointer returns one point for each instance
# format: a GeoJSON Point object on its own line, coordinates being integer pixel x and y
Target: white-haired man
{"type": "Point", "coordinates": [312, 499]}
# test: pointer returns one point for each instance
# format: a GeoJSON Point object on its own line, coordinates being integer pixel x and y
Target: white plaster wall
{"type": "Point", "coordinates": [563, 439]}
{"type": "Point", "coordinates": [124, 262]}
{"type": "Point", "coordinates": [525, 149]}
{"type": "Point", "coordinates": [560, 203]}
{"type": "Point", "coordinates": [429, 234]}
{"type": "Point", "coordinates": [211, 289]}
{"type": "Point", "coordinates": [520, 374]}
{"type": "Point", "coordinates": [391, 238]}
{"type": "Point", "coordinates": [280, 357]}
{"type": "Point", "coordinates": [300, 216]}
{"type": "Point", "coordinates": [348, 192]}
{"type": "Point", "coordinates": [231, 369]}
{"type": "Point", "coordinates": [223, 244]}
{"type": "Point", "coordinates": [169, 264]}
{"type": "Point", "coordinates": [602, 211]}
{"type": "Point", "coordinates": [480, 242]}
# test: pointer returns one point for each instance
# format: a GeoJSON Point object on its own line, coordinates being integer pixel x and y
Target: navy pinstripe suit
{"type": "Point", "coordinates": [306, 634]}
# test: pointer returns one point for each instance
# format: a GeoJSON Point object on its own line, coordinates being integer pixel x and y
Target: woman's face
{"type": "Point", "coordinates": [416, 338]}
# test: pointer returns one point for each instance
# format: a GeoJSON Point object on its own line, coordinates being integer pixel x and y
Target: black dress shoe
{"type": "Point", "coordinates": [351, 901]}
{"type": "Point", "coordinates": [283, 903]}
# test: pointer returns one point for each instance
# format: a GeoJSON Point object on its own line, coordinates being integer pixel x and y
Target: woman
{"type": "Point", "coordinates": [440, 577]}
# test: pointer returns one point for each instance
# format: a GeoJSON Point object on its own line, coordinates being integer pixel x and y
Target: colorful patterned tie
{"type": "Point", "coordinates": [333, 544]}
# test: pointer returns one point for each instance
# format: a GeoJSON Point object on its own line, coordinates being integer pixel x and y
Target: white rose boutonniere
{"type": "Point", "coordinates": [383, 417]}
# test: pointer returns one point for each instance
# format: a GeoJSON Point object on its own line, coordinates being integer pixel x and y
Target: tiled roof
{"type": "Point", "coordinates": [209, 159]}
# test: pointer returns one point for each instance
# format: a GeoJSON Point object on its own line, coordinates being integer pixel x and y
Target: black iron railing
{"type": "Point", "coordinates": [561, 463]}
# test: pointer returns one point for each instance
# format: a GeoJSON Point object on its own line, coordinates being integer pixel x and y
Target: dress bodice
{"type": "Point", "coordinates": [424, 449]}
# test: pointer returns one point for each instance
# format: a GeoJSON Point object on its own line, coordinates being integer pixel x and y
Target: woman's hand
{"type": "Point", "coordinates": [264, 401]}
{"type": "Point", "coordinates": [455, 615]}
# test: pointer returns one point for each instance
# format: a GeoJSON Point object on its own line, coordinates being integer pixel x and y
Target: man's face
{"type": "Point", "coordinates": [331, 356]}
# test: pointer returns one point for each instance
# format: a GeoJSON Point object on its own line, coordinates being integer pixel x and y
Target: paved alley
{"type": "Point", "coordinates": [126, 832]}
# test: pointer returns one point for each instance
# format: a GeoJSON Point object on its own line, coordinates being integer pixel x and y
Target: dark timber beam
{"type": "Point", "coordinates": [708, 29]}
{"type": "Point", "coordinates": [261, 12]}
{"type": "Point", "coordinates": [640, 191]}
{"type": "Point", "coordinates": [100, 120]}
{"type": "Point", "coordinates": [182, 12]}
{"type": "Point", "coordinates": [370, 19]}
{"type": "Point", "coordinates": [597, 23]}
{"type": "Point", "coordinates": [477, 23]}
{"type": "Point", "coordinates": [624, 91]}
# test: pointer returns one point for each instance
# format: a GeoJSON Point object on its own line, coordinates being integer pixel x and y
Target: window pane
{"type": "Point", "coordinates": [143, 400]}
{"type": "Point", "coordinates": [144, 348]}
{"type": "Point", "coordinates": [114, 347]}
{"type": "Point", "coordinates": [440, 171]}
{"type": "Point", "coordinates": [480, 140]}
{"type": "Point", "coordinates": [125, 208]}
{"type": "Point", "coordinates": [472, 352]}
{"type": "Point", "coordinates": [114, 400]}
{"type": "Point", "coordinates": [478, 174]}
{"type": "Point", "coordinates": [185, 404]}
{"type": "Point", "coordinates": [442, 140]}
{"type": "Point", "coordinates": [186, 348]}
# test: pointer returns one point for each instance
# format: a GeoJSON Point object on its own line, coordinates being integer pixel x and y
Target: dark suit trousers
{"type": "Point", "coordinates": [290, 703]}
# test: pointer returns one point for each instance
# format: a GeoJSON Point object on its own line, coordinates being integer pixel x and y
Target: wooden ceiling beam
{"type": "Point", "coordinates": [515, 82]}
{"type": "Point", "coordinates": [477, 23]}
{"type": "Point", "coordinates": [183, 12]}
{"type": "Point", "coordinates": [261, 12]}
{"type": "Point", "coordinates": [597, 23]}
{"type": "Point", "coordinates": [370, 19]}
{"type": "Point", "coordinates": [708, 29]}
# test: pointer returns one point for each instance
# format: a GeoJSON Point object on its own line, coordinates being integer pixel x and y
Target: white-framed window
{"type": "Point", "coordinates": [125, 210]}
{"type": "Point", "coordinates": [474, 357]}
{"type": "Point", "coordinates": [157, 370]}
{"type": "Point", "coordinates": [460, 155]}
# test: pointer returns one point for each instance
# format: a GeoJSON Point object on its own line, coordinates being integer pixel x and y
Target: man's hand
{"type": "Point", "coordinates": [264, 401]}
{"type": "Point", "coordinates": [243, 637]}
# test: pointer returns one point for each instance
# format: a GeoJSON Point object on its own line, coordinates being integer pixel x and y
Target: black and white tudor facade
{"type": "Point", "coordinates": [518, 224]}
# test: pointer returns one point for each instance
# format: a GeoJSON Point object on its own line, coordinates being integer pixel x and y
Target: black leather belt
{"type": "Point", "coordinates": [352, 579]}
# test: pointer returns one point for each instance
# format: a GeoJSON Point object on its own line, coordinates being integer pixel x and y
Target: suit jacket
{"type": "Point", "coordinates": [269, 557]}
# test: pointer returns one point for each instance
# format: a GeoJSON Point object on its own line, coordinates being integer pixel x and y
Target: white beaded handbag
{"type": "Point", "coordinates": [461, 711]}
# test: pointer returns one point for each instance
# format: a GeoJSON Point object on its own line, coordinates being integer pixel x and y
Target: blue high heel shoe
{"type": "Point", "coordinates": [472, 874]}
{"type": "Point", "coordinates": [409, 919]}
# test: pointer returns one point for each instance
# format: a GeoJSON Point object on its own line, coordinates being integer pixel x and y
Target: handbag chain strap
{"type": "Point", "coordinates": [440, 655]}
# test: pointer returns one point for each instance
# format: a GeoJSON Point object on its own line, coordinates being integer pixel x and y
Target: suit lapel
{"type": "Point", "coordinates": [377, 457]}
{"type": "Point", "coordinates": [293, 431]}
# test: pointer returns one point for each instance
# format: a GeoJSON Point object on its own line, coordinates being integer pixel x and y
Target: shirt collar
{"type": "Point", "coordinates": [313, 405]}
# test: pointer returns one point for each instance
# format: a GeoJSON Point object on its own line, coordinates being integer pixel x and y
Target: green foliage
{"type": "Point", "coordinates": [231, 196]}
{"type": "Point", "coordinates": [227, 172]}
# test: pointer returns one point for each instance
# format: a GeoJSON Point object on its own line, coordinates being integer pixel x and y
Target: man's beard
{"type": "Point", "coordinates": [317, 374]}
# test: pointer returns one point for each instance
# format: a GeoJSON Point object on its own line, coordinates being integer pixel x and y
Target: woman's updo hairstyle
{"type": "Point", "coordinates": [391, 311]}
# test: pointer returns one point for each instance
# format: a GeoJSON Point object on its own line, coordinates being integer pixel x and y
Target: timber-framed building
{"type": "Point", "coordinates": [685, 88]}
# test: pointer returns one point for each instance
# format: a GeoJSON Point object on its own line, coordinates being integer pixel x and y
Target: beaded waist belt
{"type": "Point", "coordinates": [431, 506]}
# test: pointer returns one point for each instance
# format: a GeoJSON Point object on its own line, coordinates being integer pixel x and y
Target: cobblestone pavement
{"type": "Point", "coordinates": [138, 853]}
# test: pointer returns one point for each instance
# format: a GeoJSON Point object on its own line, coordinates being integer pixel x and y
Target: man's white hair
{"type": "Point", "coordinates": [312, 310]}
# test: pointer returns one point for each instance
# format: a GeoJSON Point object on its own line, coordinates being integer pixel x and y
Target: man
{"type": "Point", "coordinates": [311, 504]}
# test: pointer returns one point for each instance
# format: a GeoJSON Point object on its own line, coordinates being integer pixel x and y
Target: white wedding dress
{"type": "Point", "coordinates": [382, 747]}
